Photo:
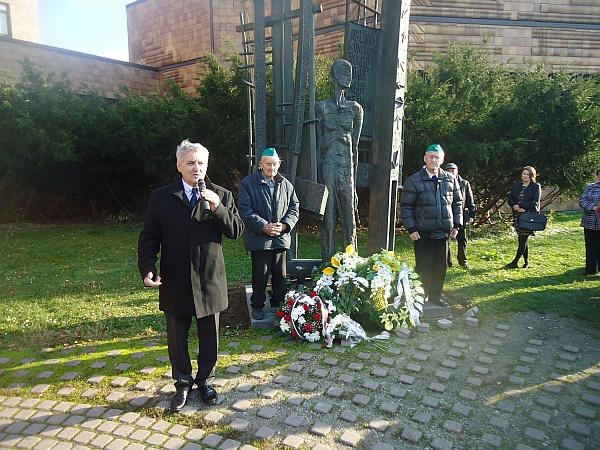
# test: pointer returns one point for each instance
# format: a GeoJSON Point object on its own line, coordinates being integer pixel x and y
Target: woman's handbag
{"type": "Point", "coordinates": [533, 221]}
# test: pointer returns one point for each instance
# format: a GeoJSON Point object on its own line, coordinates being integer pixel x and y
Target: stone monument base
{"type": "Point", "coordinates": [269, 317]}
{"type": "Point", "coordinates": [431, 311]}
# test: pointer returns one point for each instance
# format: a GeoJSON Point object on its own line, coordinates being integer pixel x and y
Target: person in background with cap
{"type": "Point", "coordinates": [269, 208]}
{"type": "Point", "coordinates": [469, 211]}
{"type": "Point", "coordinates": [185, 223]}
{"type": "Point", "coordinates": [431, 210]}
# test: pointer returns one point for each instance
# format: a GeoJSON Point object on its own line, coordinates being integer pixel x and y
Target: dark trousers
{"type": "Point", "coordinates": [592, 250]}
{"type": "Point", "coordinates": [265, 263]}
{"type": "Point", "coordinates": [177, 343]}
{"type": "Point", "coordinates": [431, 263]}
{"type": "Point", "coordinates": [462, 241]}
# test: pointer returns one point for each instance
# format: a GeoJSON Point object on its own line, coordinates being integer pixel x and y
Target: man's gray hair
{"type": "Point", "coordinates": [187, 146]}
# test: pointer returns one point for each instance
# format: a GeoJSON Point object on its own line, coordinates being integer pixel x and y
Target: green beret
{"type": "Point", "coordinates": [435, 148]}
{"type": "Point", "coordinates": [270, 152]}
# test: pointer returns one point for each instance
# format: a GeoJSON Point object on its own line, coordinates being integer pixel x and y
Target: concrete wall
{"type": "Point", "coordinates": [105, 75]}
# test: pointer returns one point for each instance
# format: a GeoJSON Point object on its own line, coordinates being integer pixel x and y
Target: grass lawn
{"type": "Point", "coordinates": [69, 284]}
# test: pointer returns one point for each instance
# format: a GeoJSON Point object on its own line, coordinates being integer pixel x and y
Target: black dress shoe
{"type": "Point", "coordinates": [208, 394]}
{"type": "Point", "coordinates": [440, 302]}
{"type": "Point", "coordinates": [257, 313]}
{"type": "Point", "coordinates": [179, 399]}
{"type": "Point", "coordinates": [512, 265]}
{"type": "Point", "coordinates": [526, 265]}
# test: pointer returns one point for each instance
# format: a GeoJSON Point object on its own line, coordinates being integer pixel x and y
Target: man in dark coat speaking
{"type": "Point", "coordinates": [186, 222]}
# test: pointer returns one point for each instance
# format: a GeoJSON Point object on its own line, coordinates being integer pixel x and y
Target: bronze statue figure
{"type": "Point", "coordinates": [338, 133]}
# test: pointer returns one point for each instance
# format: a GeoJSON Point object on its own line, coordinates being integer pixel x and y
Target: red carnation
{"type": "Point", "coordinates": [294, 333]}
{"type": "Point", "coordinates": [280, 314]}
{"type": "Point", "coordinates": [305, 306]}
{"type": "Point", "coordinates": [317, 316]}
{"type": "Point", "coordinates": [288, 318]}
{"type": "Point", "coordinates": [308, 327]}
{"type": "Point", "coordinates": [313, 294]}
{"type": "Point", "coordinates": [290, 301]}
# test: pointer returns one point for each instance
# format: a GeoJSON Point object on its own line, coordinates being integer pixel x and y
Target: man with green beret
{"type": "Point", "coordinates": [269, 208]}
{"type": "Point", "coordinates": [431, 211]}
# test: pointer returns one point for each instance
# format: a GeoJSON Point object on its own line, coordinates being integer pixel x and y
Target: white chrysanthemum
{"type": "Point", "coordinates": [297, 312]}
{"type": "Point", "coordinates": [285, 327]}
{"type": "Point", "coordinates": [325, 280]}
{"type": "Point", "coordinates": [312, 337]}
{"type": "Point", "coordinates": [301, 320]}
{"type": "Point", "coordinates": [361, 283]}
{"type": "Point", "coordinates": [345, 277]}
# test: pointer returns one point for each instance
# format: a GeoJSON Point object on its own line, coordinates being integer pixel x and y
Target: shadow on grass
{"type": "Point", "coordinates": [544, 294]}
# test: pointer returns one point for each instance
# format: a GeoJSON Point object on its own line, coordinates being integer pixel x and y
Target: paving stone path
{"type": "Point", "coordinates": [522, 382]}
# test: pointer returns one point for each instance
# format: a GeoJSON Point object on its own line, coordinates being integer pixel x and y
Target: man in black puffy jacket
{"type": "Point", "coordinates": [268, 205]}
{"type": "Point", "coordinates": [431, 209]}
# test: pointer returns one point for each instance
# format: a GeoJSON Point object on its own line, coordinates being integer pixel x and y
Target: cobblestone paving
{"type": "Point", "coordinates": [525, 381]}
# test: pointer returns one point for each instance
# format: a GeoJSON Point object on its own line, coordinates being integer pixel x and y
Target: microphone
{"type": "Point", "coordinates": [201, 188]}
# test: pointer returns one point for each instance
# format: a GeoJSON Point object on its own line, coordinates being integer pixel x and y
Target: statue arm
{"type": "Point", "coordinates": [356, 129]}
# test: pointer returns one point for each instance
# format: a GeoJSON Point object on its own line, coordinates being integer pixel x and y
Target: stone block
{"type": "Point", "coordinates": [471, 321]}
{"type": "Point", "coordinates": [423, 328]}
{"type": "Point", "coordinates": [350, 438]}
{"type": "Point", "coordinates": [403, 332]}
{"type": "Point", "coordinates": [444, 324]}
{"type": "Point", "coordinates": [411, 435]}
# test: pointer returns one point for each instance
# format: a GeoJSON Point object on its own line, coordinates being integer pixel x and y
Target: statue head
{"type": "Point", "coordinates": [341, 72]}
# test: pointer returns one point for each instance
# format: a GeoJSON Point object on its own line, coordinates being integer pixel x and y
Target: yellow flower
{"type": "Point", "coordinates": [328, 271]}
{"type": "Point", "coordinates": [350, 249]}
{"type": "Point", "coordinates": [335, 262]}
{"type": "Point", "coordinates": [375, 267]}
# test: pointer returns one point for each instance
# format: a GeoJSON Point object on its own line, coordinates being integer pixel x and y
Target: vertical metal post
{"type": "Point", "coordinates": [283, 67]}
{"type": "Point", "coordinates": [260, 76]}
{"type": "Point", "coordinates": [387, 149]}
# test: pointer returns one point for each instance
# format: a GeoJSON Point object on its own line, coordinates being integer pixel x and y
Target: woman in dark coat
{"type": "Point", "coordinates": [524, 197]}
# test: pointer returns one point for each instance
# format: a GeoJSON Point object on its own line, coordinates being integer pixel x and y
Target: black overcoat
{"type": "Point", "coordinates": [192, 268]}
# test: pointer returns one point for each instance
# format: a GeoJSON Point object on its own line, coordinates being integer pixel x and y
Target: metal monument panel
{"type": "Point", "coordinates": [388, 146]}
{"type": "Point", "coordinates": [363, 53]}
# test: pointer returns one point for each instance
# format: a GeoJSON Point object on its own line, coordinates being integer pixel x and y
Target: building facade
{"type": "Point", "coordinates": [174, 34]}
{"type": "Point", "coordinates": [19, 19]}
{"type": "Point", "coordinates": [168, 37]}
{"type": "Point", "coordinates": [20, 40]}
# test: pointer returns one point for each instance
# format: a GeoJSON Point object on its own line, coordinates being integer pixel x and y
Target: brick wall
{"type": "Point", "coordinates": [103, 74]}
{"type": "Point", "coordinates": [173, 34]}
{"type": "Point", "coordinates": [513, 39]}
{"type": "Point", "coordinates": [25, 19]}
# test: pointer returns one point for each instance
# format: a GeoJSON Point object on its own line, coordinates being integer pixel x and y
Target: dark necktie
{"type": "Point", "coordinates": [194, 199]}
